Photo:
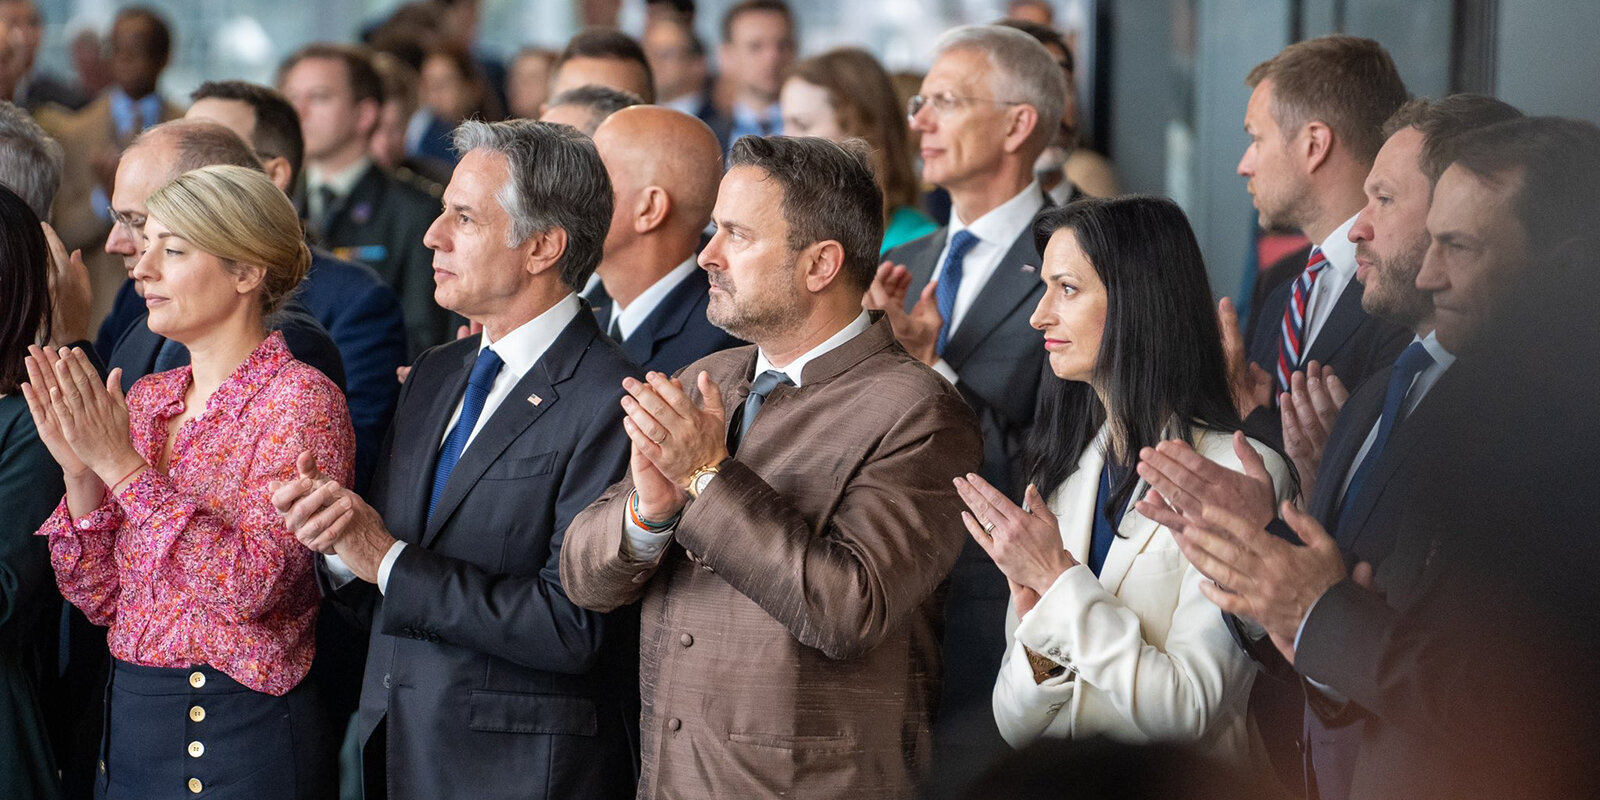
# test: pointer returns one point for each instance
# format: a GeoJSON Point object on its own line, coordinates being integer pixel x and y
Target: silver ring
{"type": "Point", "coordinates": [988, 527]}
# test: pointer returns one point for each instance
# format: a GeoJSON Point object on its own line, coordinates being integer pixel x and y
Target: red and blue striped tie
{"type": "Point", "coordinates": [1292, 334]}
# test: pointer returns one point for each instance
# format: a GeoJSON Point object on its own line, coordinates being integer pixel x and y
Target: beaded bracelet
{"type": "Point", "coordinates": [653, 527]}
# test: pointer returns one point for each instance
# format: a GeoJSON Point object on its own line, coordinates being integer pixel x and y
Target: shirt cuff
{"type": "Point", "coordinates": [943, 368]}
{"type": "Point", "coordinates": [387, 565]}
{"type": "Point", "coordinates": [644, 545]}
{"type": "Point", "coordinates": [341, 573]}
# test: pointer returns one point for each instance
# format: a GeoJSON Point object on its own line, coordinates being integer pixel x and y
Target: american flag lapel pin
{"type": "Point", "coordinates": [535, 399]}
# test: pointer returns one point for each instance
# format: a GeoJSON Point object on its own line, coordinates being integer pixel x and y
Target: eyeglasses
{"type": "Point", "coordinates": [132, 226]}
{"type": "Point", "coordinates": [945, 102]}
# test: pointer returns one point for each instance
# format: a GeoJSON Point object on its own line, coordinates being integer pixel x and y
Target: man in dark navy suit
{"type": "Point", "coordinates": [160, 154]}
{"type": "Point", "coordinates": [482, 678]}
{"type": "Point", "coordinates": [664, 165]}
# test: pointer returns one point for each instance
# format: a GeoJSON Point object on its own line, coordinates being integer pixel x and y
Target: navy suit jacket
{"type": "Point", "coordinates": [482, 678]}
{"type": "Point", "coordinates": [381, 222]}
{"type": "Point", "coordinates": [999, 360]}
{"type": "Point", "coordinates": [363, 316]}
{"type": "Point", "coordinates": [1351, 341]}
{"type": "Point", "coordinates": [676, 333]}
{"type": "Point", "coordinates": [998, 356]}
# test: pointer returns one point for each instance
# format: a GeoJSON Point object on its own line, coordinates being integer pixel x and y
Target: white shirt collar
{"type": "Point", "coordinates": [1340, 252]}
{"type": "Point", "coordinates": [1442, 357]}
{"type": "Point", "coordinates": [341, 182]}
{"type": "Point", "coordinates": [1005, 222]}
{"type": "Point", "coordinates": [629, 319]}
{"type": "Point", "coordinates": [796, 369]}
{"type": "Point", "coordinates": [519, 350]}
{"type": "Point", "coordinates": [524, 345]}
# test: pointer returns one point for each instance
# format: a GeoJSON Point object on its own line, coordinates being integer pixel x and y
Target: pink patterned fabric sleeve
{"type": "Point", "coordinates": [81, 551]}
{"type": "Point", "coordinates": [239, 569]}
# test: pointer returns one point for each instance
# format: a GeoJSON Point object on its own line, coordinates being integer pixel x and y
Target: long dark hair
{"type": "Point", "coordinates": [1160, 363]}
{"type": "Point", "coordinates": [24, 288]}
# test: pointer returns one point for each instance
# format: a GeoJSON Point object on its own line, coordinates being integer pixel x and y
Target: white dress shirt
{"type": "Point", "coordinates": [1341, 269]}
{"type": "Point", "coordinates": [520, 350]}
{"type": "Point", "coordinates": [997, 231]}
{"type": "Point", "coordinates": [643, 545]}
{"type": "Point", "coordinates": [630, 318]}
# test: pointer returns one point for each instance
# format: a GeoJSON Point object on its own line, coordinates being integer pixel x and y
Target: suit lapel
{"type": "Point", "coordinates": [1073, 503]}
{"type": "Point", "coordinates": [515, 414]}
{"type": "Point", "coordinates": [1403, 441]}
{"type": "Point", "coordinates": [1007, 288]}
{"type": "Point", "coordinates": [1349, 433]}
{"type": "Point", "coordinates": [421, 446]}
{"type": "Point", "coordinates": [1341, 324]}
{"type": "Point", "coordinates": [667, 319]}
{"type": "Point", "coordinates": [921, 257]}
{"type": "Point", "coordinates": [1134, 535]}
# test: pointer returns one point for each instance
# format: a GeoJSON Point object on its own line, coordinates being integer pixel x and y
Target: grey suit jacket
{"type": "Point", "coordinates": [997, 355]}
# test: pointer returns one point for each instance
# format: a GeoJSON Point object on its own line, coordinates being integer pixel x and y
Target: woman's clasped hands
{"type": "Point", "coordinates": [1025, 542]}
{"type": "Point", "coordinates": [82, 421]}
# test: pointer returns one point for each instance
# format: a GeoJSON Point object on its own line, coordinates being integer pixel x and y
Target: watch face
{"type": "Point", "coordinates": [701, 480]}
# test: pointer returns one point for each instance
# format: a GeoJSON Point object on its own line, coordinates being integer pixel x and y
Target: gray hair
{"type": "Point", "coordinates": [30, 161]}
{"type": "Point", "coordinates": [1022, 71]}
{"type": "Point", "coordinates": [600, 101]}
{"type": "Point", "coordinates": [556, 181]}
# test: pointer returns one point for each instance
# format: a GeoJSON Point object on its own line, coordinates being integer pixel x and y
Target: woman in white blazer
{"type": "Point", "coordinates": [1108, 632]}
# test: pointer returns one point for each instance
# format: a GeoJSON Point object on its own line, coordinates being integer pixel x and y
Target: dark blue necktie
{"type": "Point", "coordinates": [1412, 361]}
{"type": "Point", "coordinates": [1105, 526]}
{"type": "Point", "coordinates": [759, 389]}
{"type": "Point", "coordinates": [484, 371]}
{"type": "Point", "coordinates": [950, 282]}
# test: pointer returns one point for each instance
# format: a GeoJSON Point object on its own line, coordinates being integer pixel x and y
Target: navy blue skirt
{"type": "Point", "coordinates": [198, 733]}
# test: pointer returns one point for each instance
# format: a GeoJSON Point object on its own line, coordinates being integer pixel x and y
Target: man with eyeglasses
{"type": "Point", "coordinates": [959, 300]}
{"type": "Point", "coordinates": [153, 160]}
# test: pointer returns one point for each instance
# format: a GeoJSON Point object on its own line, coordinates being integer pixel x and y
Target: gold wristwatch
{"type": "Point", "coordinates": [700, 478]}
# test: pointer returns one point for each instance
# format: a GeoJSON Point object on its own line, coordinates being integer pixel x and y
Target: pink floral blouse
{"type": "Point", "coordinates": [194, 566]}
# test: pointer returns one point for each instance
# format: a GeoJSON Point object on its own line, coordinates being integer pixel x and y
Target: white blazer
{"type": "Point", "coordinates": [1148, 657]}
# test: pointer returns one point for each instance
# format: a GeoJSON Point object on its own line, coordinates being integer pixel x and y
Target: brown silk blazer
{"type": "Point", "coordinates": [789, 641]}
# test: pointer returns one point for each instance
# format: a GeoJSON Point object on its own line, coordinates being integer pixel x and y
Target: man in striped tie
{"type": "Point", "coordinates": [1314, 122]}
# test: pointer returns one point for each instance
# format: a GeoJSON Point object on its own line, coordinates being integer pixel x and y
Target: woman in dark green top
{"type": "Point", "coordinates": [30, 486]}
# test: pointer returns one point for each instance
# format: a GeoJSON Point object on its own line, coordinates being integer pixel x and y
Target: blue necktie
{"type": "Point", "coordinates": [1412, 361]}
{"type": "Point", "coordinates": [950, 281]}
{"type": "Point", "coordinates": [484, 371]}
{"type": "Point", "coordinates": [1104, 528]}
{"type": "Point", "coordinates": [759, 389]}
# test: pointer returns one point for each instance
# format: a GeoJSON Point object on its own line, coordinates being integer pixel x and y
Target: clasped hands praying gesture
{"type": "Point", "coordinates": [83, 422]}
{"type": "Point", "coordinates": [1218, 518]}
{"type": "Point", "coordinates": [1025, 542]}
{"type": "Point", "coordinates": [671, 438]}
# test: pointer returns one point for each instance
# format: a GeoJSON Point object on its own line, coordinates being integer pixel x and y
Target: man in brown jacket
{"type": "Point", "coordinates": [787, 545]}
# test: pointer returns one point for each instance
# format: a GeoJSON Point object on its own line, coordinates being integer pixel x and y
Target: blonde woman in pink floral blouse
{"type": "Point", "coordinates": [166, 533]}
